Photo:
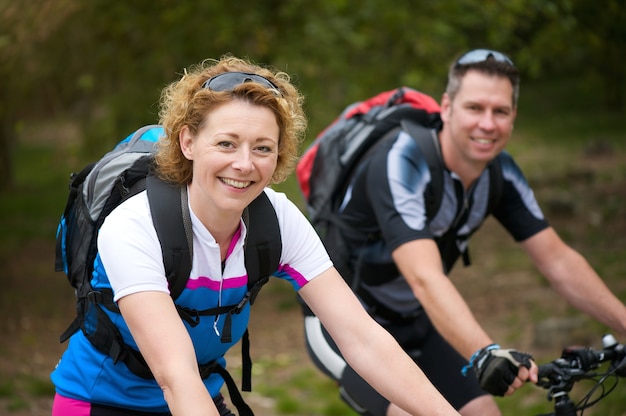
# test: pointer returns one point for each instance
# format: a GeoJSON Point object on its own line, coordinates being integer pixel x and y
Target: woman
{"type": "Point", "coordinates": [232, 128]}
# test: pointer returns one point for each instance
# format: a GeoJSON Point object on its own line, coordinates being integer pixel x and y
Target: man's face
{"type": "Point", "coordinates": [479, 120]}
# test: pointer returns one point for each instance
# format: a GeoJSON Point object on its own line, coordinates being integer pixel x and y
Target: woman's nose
{"type": "Point", "coordinates": [243, 160]}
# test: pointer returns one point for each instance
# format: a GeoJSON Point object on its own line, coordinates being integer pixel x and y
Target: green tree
{"type": "Point", "coordinates": [102, 64]}
{"type": "Point", "coordinates": [24, 70]}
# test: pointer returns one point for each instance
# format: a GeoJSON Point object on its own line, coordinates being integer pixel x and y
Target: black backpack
{"type": "Point", "coordinates": [326, 167]}
{"type": "Point", "coordinates": [95, 192]}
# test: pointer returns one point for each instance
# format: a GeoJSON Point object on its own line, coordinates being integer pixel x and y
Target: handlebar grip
{"type": "Point", "coordinates": [620, 366]}
{"type": "Point", "coordinates": [583, 358]}
{"type": "Point", "coordinates": [545, 370]}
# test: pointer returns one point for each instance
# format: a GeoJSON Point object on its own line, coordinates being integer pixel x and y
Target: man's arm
{"type": "Point", "coordinates": [572, 277]}
{"type": "Point", "coordinates": [419, 262]}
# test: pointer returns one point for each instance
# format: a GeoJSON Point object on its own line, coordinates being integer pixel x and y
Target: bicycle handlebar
{"type": "Point", "coordinates": [576, 364]}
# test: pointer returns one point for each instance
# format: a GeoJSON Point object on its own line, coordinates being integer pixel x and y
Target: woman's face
{"type": "Point", "coordinates": [234, 157]}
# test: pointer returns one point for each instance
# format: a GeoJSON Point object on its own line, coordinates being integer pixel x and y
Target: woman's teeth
{"type": "Point", "coordinates": [235, 184]}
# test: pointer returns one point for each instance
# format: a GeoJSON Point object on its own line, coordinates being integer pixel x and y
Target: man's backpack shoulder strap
{"type": "Point", "coordinates": [429, 145]}
{"type": "Point", "coordinates": [172, 222]}
{"type": "Point", "coordinates": [427, 141]}
{"type": "Point", "coordinates": [496, 183]}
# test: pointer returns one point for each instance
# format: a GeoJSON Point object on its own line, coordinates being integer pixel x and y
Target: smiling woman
{"type": "Point", "coordinates": [230, 129]}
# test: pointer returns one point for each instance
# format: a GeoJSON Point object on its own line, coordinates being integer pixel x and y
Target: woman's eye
{"type": "Point", "coordinates": [264, 149]}
{"type": "Point", "coordinates": [226, 145]}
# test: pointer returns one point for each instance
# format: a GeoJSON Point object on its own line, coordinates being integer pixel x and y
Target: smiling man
{"type": "Point", "coordinates": [403, 253]}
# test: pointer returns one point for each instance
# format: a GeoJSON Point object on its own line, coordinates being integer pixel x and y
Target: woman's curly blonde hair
{"type": "Point", "coordinates": [186, 103]}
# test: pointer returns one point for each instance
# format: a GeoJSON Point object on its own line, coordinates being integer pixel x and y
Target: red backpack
{"type": "Point", "coordinates": [325, 168]}
{"type": "Point", "coordinates": [329, 161]}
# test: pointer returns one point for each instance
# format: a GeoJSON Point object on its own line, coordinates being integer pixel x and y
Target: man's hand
{"type": "Point", "coordinates": [498, 369]}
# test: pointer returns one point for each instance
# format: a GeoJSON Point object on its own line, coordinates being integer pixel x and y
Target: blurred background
{"type": "Point", "coordinates": [78, 76]}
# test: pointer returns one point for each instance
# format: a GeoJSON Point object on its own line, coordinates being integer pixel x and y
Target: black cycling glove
{"type": "Point", "coordinates": [497, 368]}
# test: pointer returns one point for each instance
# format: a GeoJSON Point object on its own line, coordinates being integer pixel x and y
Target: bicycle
{"type": "Point", "coordinates": [577, 364]}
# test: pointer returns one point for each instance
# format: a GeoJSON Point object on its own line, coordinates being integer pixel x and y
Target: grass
{"type": "Point", "coordinates": [19, 392]}
{"type": "Point", "coordinates": [307, 394]}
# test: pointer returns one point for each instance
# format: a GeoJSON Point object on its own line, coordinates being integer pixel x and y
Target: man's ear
{"type": "Point", "coordinates": [446, 106]}
{"type": "Point", "coordinates": [185, 139]}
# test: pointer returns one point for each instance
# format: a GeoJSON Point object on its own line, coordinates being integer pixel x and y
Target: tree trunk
{"type": "Point", "coordinates": [6, 153]}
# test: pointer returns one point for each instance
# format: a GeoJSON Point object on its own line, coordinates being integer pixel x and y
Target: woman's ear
{"type": "Point", "coordinates": [185, 139]}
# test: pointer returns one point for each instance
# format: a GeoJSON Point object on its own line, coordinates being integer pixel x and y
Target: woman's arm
{"type": "Point", "coordinates": [167, 348]}
{"type": "Point", "coordinates": [363, 342]}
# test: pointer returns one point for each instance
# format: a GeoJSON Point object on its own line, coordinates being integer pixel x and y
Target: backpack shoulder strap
{"type": "Point", "coordinates": [172, 221]}
{"type": "Point", "coordinates": [428, 143]}
{"type": "Point", "coordinates": [496, 184]}
{"type": "Point", "coordinates": [263, 243]}
{"type": "Point", "coordinates": [262, 250]}
{"type": "Point", "coordinates": [262, 256]}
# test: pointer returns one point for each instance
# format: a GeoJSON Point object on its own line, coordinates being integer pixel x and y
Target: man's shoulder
{"type": "Point", "coordinates": [508, 166]}
{"type": "Point", "coordinates": [505, 157]}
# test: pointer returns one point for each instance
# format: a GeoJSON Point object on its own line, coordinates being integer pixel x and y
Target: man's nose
{"type": "Point", "coordinates": [487, 121]}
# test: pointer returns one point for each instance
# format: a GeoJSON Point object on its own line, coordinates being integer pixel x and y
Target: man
{"type": "Point", "coordinates": [408, 253]}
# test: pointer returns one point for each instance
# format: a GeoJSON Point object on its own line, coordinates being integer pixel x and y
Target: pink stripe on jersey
{"type": "Point", "coordinates": [230, 283]}
{"type": "Point", "coordinates": [205, 282]}
{"type": "Point", "coordinates": [294, 274]}
{"type": "Point", "coordinates": [233, 241]}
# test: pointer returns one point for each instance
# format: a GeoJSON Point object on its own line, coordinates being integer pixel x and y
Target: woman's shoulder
{"type": "Point", "coordinates": [134, 212]}
{"type": "Point", "coordinates": [280, 201]}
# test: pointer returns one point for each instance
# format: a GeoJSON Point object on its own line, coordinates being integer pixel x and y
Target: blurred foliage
{"type": "Point", "coordinates": [78, 76]}
{"type": "Point", "coordinates": [102, 64]}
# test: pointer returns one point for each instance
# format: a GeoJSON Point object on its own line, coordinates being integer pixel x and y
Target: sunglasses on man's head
{"type": "Point", "coordinates": [481, 55]}
{"type": "Point", "coordinates": [227, 81]}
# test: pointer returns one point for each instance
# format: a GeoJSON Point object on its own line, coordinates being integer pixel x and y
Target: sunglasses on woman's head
{"type": "Point", "coordinates": [480, 55]}
{"type": "Point", "coordinates": [227, 81]}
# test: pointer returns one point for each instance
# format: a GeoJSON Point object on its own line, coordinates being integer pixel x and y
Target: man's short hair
{"type": "Point", "coordinates": [487, 62]}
